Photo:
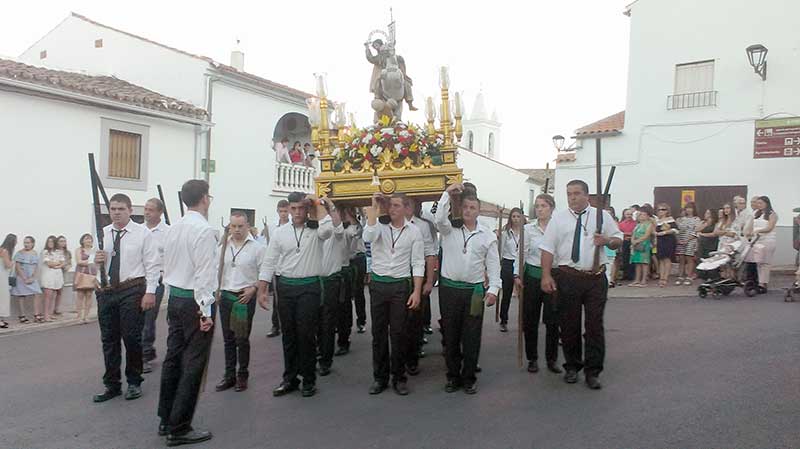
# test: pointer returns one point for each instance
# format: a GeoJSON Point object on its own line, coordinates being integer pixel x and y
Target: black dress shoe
{"type": "Point", "coordinates": [478, 369]}
{"type": "Point", "coordinates": [163, 430]}
{"type": "Point", "coordinates": [342, 350]}
{"type": "Point", "coordinates": [424, 341]}
{"type": "Point", "coordinates": [190, 437]}
{"type": "Point", "coordinates": [553, 368]}
{"type": "Point", "coordinates": [503, 327]}
{"type": "Point", "coordinates": [470, 388]}
{"type": "Point", "coordinates": [147, 368]}
{"type": "Point", "coordinates": [571, 376]}
{"type": "Point", "coordinates": [593, 383]}
{"type": "Point", "coordinates": [134, 392]}
{"type": "Point", "coordinates": [452, 386]}
{"type": "Point", "coordinates": [400, 388]}
{"type": "Point", "coordinates": [361, 329]}
{"type": "Point", "coordinates": [377, 387]}
{"type": "Point", "coordinates": [225, 384]}
{"type": "Point", "coordinates": [284, 388]}
{"type": "Point", "coordinates": [273, 333]}
{"type": "Point", "coordinates": [428, 330]}
{"type": "Point", "coordinates": [106, 395]}
{"type": "Point", "coordinates": [421, 354]}
{"type": "Point", "coordinates": [309, 390]}
{"type": "Point", "coordinates": [412, 370]}
{"type": "Point", "coordinates": [324, 370]}
{"type": "Point", "coordinates": [241, 384]}
{"type": "Point", "coordinates": [533, 367]}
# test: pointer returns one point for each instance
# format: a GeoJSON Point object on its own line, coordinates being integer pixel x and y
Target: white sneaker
{"type": "Point", "coordinates": [679, 281]}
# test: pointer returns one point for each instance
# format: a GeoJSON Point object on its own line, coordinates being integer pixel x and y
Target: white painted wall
{"type": "Point", "coordinates": [481, 130]}
{"type": "Point", "coordinates": [46, 187]}
{"type": "Point", "coordinates": [496, 183]}
{"type": "Point", "coordinates": [70, 46]}
{"type": "Point", "coordinates": [702, 146]}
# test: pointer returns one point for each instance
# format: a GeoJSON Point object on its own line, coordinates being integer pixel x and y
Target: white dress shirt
{"type": "Point", "coordinates": [158, 233]}
{"type": "Point", "coordinates": [296, 252]}
{"type": "Point", "coordinates": [510, 244]}
{"type": "Point", "coordinates": [191, 258]}
{"type": "Point", "coordinates": [534, 235]}
{"type": "Point", "coordinates": [138, 254]}
{"type": "Point", "coordinates": [355, 233]}
{"type": "Point", "coordinates": [430, 246]}
{"type": "Point", "coordinates": [401, 259]}
{"type": "Point", "coordinates": [560, 231]}
{"type": "Point", "coordinates": [242, 264]}
{"type": "Point", "coordinates": [481, 259]}
{"type": "Point", "coordinates": [335, 252]}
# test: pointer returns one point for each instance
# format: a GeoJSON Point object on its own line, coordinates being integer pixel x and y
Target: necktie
{"type": "Point", "coordinates": [114, 269]}
{"type": "Point", "coordinates": [576, 239]}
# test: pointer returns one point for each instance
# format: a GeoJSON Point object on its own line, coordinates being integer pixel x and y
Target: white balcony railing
{"type": "Point", "coordinates": [294, 178]}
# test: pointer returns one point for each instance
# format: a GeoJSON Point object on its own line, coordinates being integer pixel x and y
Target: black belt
{"type": "Point", "coordinates": [584, 273]}
{"type": "Point", "coordinates": [124, 285]}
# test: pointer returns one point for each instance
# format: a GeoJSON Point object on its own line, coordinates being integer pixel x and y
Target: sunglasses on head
{"type": "Point", "coordinates": [663, 209]}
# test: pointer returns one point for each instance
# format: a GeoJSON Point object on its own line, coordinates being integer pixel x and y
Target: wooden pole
{"type": "Point", "coordinates": [217, 298]}
{"type": "Point", "coordinates": [500, 242]}
{"type": "Point", "coordinates": [97, 219]}
{"type": "Point", "coordinates": [164, 202]}
{"type": "Point", "coordinates": [180, 202]}
{"type": "Point", "coordinates": [600, 202]}
{"type": "Point", "coordinates": [521, 294]}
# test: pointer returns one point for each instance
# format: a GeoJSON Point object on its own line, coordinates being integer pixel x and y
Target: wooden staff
{"type": "Point", "coordinates": [499, 243]}
{"type": "Point", "coordinates": [601, 203]}
{"type": "Point", "coordinates": [97, 219]}
{"type": "Point", "coordinates": [217, 299]}
{"type": "Point", "coordinates": [164, 202]}
{"type": "Point", "coordinates": [521, 294]}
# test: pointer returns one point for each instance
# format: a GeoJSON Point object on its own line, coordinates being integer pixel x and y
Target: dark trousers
{"type": "Point", "coordinates": [298, 308]}
{"type": "Point", "coordinates": [388, 311]}
{"type": "Point", "coordinates": [415, 324]}
{"type": "Point", "coordinates": [237, 347]}
{"type": "Point", "coordinates": [149, 328]}
{"type": "Point", "coordinates": [535, 301]}
{"type": "Point", "coordinates": [182, 371]}
{"type": "Point", "coordinates": [344, 309]}
{"type": "Point", "coordinates": [120, 317]}
{"type": "Point", "coordinates": [507, 276]}
{"type": "Point", "coordinates": [359, 267]}
{"type": "Point", "coordinates": [276, 321]}
{"type": "Point", "coordinates": [591, 293]}
{"type": "Point", "coordinates": [627, 268]}
{"type": "Point", "coordinates": [462, 333]}
{"type": "Point", "coordinates": [426, 311]}
{"type": "Point", "coordinates": [332, 294]}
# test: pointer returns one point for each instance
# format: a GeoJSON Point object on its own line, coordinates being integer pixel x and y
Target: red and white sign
{"type": "Point", "coordinates": [777, 138]}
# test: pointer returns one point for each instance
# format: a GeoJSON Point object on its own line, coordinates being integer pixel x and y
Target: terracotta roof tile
{"type": "Point", "coordinates": [611, 124]}
{"type": "Point", "coordinates": [104, 87]}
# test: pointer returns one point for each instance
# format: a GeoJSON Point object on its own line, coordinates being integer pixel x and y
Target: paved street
{"type": "Point", "coordinates": [680, 373]}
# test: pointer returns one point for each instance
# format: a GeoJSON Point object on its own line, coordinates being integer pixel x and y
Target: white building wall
{"type": "Point", "coordinates": [702, 146]}
{"type": "Point", "coordinates": [71, 46]}
{"type": "Point", "coordinates": [46, 182]}
{"type": "Point", "coordinates": [496, 183]}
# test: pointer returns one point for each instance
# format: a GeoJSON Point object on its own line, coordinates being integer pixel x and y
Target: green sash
{"type": "Point", "coordinates": [533, 271]}
{"type": "Point", "coordinates": [478, 292]}
{"type": "Point", "coordinates": [181, 292]}
{"type": "Point", "coordinates": [299, 281]}
{"type": "Point", "coordinates": [239, 317]}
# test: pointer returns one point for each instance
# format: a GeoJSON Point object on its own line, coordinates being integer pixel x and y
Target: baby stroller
{"type": "Point", "coordinates": [732, 256]}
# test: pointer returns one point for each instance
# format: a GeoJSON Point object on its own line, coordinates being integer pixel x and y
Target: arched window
{"type": "Point", "coordinates": [470, 140]}
{"type": "Point", "coordinates": [491, 145]}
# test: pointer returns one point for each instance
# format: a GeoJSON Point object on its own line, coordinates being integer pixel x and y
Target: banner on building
{"type": "Point", "coordinates": [777, 138]}
{"type": "Point", "coordinates": [687, 196]}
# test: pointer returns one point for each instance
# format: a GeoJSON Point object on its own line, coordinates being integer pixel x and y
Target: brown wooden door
{"type": "Point", "coordinates": [705, 197]}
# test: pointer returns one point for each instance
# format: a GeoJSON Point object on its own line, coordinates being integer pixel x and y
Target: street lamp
{"type": "Point", "coordinates": [757, 55]}
{"type": "Point", "coordinates": [558, 142]}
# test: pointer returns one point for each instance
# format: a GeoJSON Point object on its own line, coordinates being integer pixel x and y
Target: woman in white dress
{"type": "Point", "coordinates": [52, 274]}
{"type": "Point", "coordinates": [764, 221]}
{"type": "Point", "coordinates": [61, 246]}
{"type": "Point", "coordinates": [6, 266]}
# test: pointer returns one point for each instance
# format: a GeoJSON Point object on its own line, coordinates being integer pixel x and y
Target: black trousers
{"type": "Point", "coordinates": [359, 266]}
{"type": "Point", "coordinates": [415, 323]}
{"type": "Point", "coordinates": [462, 333]}
{"type": "Point", "coordinates": [344, 309]}
{"type": "Point", "coordinates": [298, 308]}
{"type": "Point", "coordinates": [237, 348]}
{"type": "Point", "coordinates": [507, 276]}
{"type": "Point", "coordinates": [121, 318]}
{"type": "Point", "coordinates": [182, 371]}
{"type": "Point", "coordinates": [536, 301]}
{"type": "Point", "coordinates": [389, 312]}
{"type": "Point", "coordinates": [332, 294]}
{"type": "Point", "coordinates": [590, 292]}
{"type": "Point", "coordinates": [149, 328]}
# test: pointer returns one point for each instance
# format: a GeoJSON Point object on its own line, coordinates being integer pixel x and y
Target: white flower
{"type": "Point", "coordinates": [375, 150]}
{"type": "Point", "coordinates": [404, 133]}
{"type": "Point", "coordinates": [366, 139]}
{"type": "Point", "coordinates": [389, 131]}
{"type": "Point", "coordinates": [398, 147]}
{"type": "Point", "coordinates": [336, 152]}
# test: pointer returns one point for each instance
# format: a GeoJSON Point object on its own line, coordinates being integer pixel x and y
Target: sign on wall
{"type": "Point", "coordinates": [687, 196]}
{"type": "Point", "coordinates": [777, 138]}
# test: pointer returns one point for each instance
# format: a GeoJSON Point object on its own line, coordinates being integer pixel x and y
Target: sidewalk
{"type": "Point", "coordinates": [68, 318]}
{"type": "Point", "coordinates": [780, 280]}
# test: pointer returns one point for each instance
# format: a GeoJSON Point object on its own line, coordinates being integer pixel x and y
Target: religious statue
{"type": "Point", "coordinates": [389, 82]}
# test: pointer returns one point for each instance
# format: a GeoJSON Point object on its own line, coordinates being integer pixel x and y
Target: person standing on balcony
{"type": "Point", "coordinates": [282, 151]}
{"type": "Point", "coordinates": [283, 218]}
{"type": "Point", "coordinates": [296, 153]}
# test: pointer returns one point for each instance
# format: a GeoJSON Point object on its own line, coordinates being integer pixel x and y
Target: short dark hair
{"type": "Point", "coordinates": [282, 203]}
{"type": "Point", "coordinates": [578, 182]}
{"type": "Point", "coordinates": [193, 191]}
{"type": "Point", "coordinates": [471, 197]}
{"type": "Point", "coordinates": [399, 195]}
{"type": "Point", "coordinates": [648, 209]}
{"type": "Point", "coordinates": [306, 145]}
{"type": "Point", "coordinates": [84, 237]}
{"type": "Point", "coordinates": [157, 202]}
{"type": "Point", "coordinates": [470, 188]}
{"type": "Point", "coordinates": [547, 198]}
{"type": "Point", "coordinates": [238, 213]}
{"type": "Point", "coordinates": [296, 197]}
{"type": "Point", "coordinates": [121, 198]}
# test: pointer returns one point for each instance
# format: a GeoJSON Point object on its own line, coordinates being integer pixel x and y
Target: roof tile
{"type": "Point", "coordinates": [611, 124]}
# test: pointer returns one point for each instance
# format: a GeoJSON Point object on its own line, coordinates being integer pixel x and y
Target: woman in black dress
{"type": "Point", "coordinates": [666, 232]}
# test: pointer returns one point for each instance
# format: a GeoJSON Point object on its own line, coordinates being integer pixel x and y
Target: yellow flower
{"type": "Point", "coordinates": [385, 120]}
{"type": "Point", "coordinates": [362, 150]}
{"type": "Point", "coordinates": [413, 148]}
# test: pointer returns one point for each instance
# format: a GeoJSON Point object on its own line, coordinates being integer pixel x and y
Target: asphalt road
{"type": "Point", "coordinates": [680, 373]}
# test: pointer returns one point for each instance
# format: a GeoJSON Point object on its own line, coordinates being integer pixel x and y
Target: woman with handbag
{"type": "Point", "coordinates": [85, 277]}
{"type": "Point", "coordinates": [641, 245]}
{"type": "Point", "coordinates": [6, 250]}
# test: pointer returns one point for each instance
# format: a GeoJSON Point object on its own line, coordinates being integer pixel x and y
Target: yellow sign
{"type": "Point", "coordinates": [687, 196]}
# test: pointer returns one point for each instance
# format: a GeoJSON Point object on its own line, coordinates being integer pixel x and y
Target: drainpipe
{"type": "Point", "coordinates": [209, 104]}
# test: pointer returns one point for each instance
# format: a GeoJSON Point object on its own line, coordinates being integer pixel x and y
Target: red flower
{"type": "Point", "coordinates": [368, 156]}
{"type": "Point", "coordinates": [404, 152]}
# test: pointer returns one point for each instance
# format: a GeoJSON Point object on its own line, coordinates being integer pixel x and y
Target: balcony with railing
{"type": "Point", "coordinates": [692, 100]}
{"type": "Point", "coordinates": [294, 178]}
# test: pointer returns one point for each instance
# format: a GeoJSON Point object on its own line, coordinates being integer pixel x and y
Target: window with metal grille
{"type": "Point", "coordinates": [124, 155]}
